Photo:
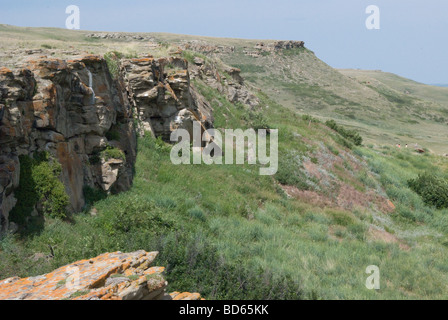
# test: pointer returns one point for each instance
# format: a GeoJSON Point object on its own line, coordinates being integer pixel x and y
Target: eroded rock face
{"type": "Point", "coordinates": [162, 96]}
{"type": "Point", "coordinates": [279, 45]}
{"type": "Point", "coordinates": [110, 276]}
{"type": "Point", "coordinates": [227, 81]}
{"type": "Point", "coordinates": [261, 47]}
{"type": "Point", "coordinates": [65, 108]}
{"type": "Point", "coordinates": [74, 110]}
{"type": "Point", "coordinates": [204, 47]}
{"type": "Point", "coordinates": [120, 36]}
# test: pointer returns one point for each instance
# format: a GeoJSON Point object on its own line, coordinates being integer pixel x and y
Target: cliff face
{"type": "Point", "coordinates": [162, 96]}
{"type": "Point", "coordinates": [110, 276]}
{"type": "Point", "coordinates": [65, 108]}
{"type": "Point", "coordinates": [75, 111]}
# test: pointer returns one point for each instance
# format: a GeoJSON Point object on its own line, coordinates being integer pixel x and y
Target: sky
{"type": "Point", "coordinates": [411, 42]}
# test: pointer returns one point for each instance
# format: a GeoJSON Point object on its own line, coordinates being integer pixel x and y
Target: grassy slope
{"type": "Point", "coordinates": [227, 232]}
{"type": "Point", "coordinates": [379, 110]}
{"type": "Point", "coordinates": [423, 91]}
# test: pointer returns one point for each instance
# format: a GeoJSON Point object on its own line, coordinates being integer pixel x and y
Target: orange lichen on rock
{"type": "Point", "coordinates": [147, 59]}
{"type": "Point", "coordinates": [110, 276]}
{"type": "Point", "coordinates": [5, 71]}
{"type": "Point", "coordinates": [185, 296]}
{"type": "Point", "coordinates": [91, 58]}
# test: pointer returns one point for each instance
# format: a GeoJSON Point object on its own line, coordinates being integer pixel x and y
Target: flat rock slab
{"type": "Point", "coordinates": [110, 276]}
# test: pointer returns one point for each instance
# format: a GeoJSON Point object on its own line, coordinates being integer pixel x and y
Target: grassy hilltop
{"type": "Point", "coordinates": [309, 232]}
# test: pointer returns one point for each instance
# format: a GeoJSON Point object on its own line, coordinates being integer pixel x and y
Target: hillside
{"type": "Point", "coordinates": [434, 93]}
{"type": "Point", "coordinates": [385, 112]}
{"type": "Point", "coordinates": [335, 206]}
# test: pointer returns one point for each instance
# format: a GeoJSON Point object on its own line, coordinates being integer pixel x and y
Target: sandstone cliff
{"type": "Point", "coordinates": [110, 276]}
{"type": "Point", "coordinates": [163, 98]}
{"type": "Point", "coordinates": [65, 108]}
{"type": "Point", "coordinates": [87, 121]}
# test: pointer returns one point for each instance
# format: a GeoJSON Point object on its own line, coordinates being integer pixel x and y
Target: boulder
{"type": "Point", "coordinates": [110, 276]}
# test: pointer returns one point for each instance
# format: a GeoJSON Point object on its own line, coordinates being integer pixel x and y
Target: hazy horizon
{"type": "Point", "coordinates": [411, 42]}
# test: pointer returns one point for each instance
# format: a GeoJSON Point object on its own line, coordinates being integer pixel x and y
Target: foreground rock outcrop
{"type": "Point", "coordinates": [110, 276]}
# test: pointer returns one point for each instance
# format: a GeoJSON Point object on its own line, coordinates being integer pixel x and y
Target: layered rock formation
{"type": "Point", "coordinates": [162, 96]}
{"type": "Point", "coordinates": [261, 48]}
{"type": "Point", "coordinates": [226, 80]}
{"type": "Point", "coordinates": [110, 276]}
{"type": "Point", "coordinates": [205, 47]}
{"type": "Point", "coordinates": [279, 45]}
{"type": "Point", "coordinates": [120, 36]}
{"type": "Point", "coordinates": [85, 120]}
{"type": "Point", "coordinates": [65, 108]}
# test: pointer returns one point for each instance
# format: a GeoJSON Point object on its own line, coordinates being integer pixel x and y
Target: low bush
{"type": "Point", "coordinates": [432, 189]}
{"type": "Point", "coordinates": [289, 172]}
{"type": "Point", "coordinates": [92, 195]}
{"type": "Point", "coordinates": [256, 120]}
{"type": "Point", "coordinates": [307, 117]}
{"type": "Point", "coordinates": [351, 135]}
{"type": "Point", "coordinates": [113, 135]}
{"type": "Point", "coordinates": [39, 183]}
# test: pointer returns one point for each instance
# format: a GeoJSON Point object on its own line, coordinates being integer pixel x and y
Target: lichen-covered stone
{"type": "Point", "coordinates": [110, 276]}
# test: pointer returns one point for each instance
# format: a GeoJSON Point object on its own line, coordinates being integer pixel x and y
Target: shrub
{"type": "Point", "coordinates": [112, 153]}
{"type": "Point", "coordinates": [333, 150]}
{"type": "Point", "coordinates": [307, 117]}
{"type": "Point", "coordinates": [131, 214]}
{"type": "Point", "coordinates": [289, 172]}
{"type": "Point", "coordinates": [256, 120]}
{"type": "Point", "coordinates": [92, 195]}
{"type": "Point", "coordinates": [190, 55]}
{"type": "Point", "coordinates": [351, 135]}
{"type": "Point", "coordinates": [39, 183]}
{"type": "Point", "coordinates": [161, 146]}
{"type": "Point", "coordinates": [197, 213]}
{"type": "Point", "coordinates": [432, 189]}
